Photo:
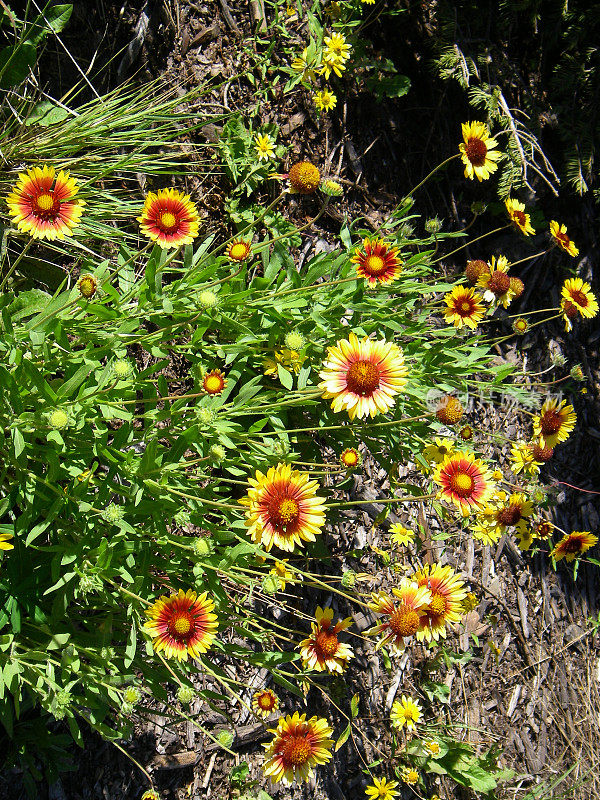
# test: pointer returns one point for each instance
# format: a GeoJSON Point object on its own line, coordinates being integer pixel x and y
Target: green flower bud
{"type": "Point", "coordinates": [208, 299]}
{"type": "Point", "coordinates": [433, 225]}
{"type": "Point", "coordinates": [218, 452]}
{"type": "Point", "coordinates": [348, 579]}
{"type": "Point", "coordinates": [58, 419]}
{"type": "Point", "coordinates": [294, 340]}
{"type": "Point", "coordinates": [89, 583]}
{"type": "Point", "coordinates": [182, 518]}
{"type": "Point", "coordinates": [61, 703]}
{"type": "Point", "coordinates": [206, 415]}
{"type": "Point", "coordinates": [203, 546]}
{"type": "Point", "coordinates": [270, 584]}
{"type": "Point", "coordinates": [132, 695]}
{"type": "Point", "coordinates": [113, 514]}
{"type": "Point", "coordinates": [150, 795]}
{"type": "Point", "coordinates": [331, 188]}
{"type": "Point", "coordinates": [185, 695]}
{"type": "Point", "coordinates": [478, 207]}
{"type": "Point", "coordinates": [122, 369]}
{"type": "Point", "coordinates": [126, 709]}
{"type": "Point", "coordinates": [577, 373]}
{"type": "Point", "coordinates": [226, 738]}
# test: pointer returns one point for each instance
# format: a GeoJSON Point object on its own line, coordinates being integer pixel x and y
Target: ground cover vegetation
{"type": "Point", "coordinates": [187, 406]}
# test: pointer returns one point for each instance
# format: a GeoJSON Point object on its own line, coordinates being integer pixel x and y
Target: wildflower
{"type": "Point", "coordinates": [543, 529]}
{"type": "Point", "coordinates": [322, 650]}
{"type": "Point", "coordinates": [208, 299]}
{"type": "Point", "coordinates": [523, 459]}
{"type": "Point", "coordinates": [378, 262]}
{"type": "Point", "coordinates": [474, 269]}
{"type": "Point", "coordinates": [466, 433]}
{"type": "Point", "coordinates": [404, 618]}
{"type": "Point", "coordinates": [363, 376]}
{"type": "Point", "coordinates": [438, 451]}
{"type": "Point", "coordinates": [331, 188]}
{"type": "Point", "coordinates": [496, 282]}
{"type": "Point", "coordinates": [291, 360]}
{"type": "Point", "coordinates": [406, 712]}
{"type": "Point", "coordinates": [282, 574]}
{"type": "Point", "coordinates": [520, 326]}
{"type": "Point", "coordinates": [579, 294]}
{"type": "Point", "coordinates": [225, 738]}
{"type": "Point", "coordinates": [524, 538]}
{"type": "Point", "coordinates": [302, 67]}
{"type": "Point", "coordinates": [214, 382]}
{"type": "Point", "coordinates": [58, 419]}
{"type": "Point", "coordinates": [87, 285]}
{"type": "Point", "coordinates": [169, 218]}
{"type": "Point", "coordinates": [325, 100]}
{"type": "Point", "coordinates": [264, 147]}
{"type": "Point", "coordinates": [572, 545]}
{"type": "Point", "coordinates": [512, 510]}
{"type": "Point", "coordinates": [449, 410]}
{"type": "Point", "coordinates": [238, 250]}
{"type": "Point", "coordinates": [304, 178]}
{"type": "Point", "coordinates": [401, 535]}
{"type": "Point", "coordinates": [516, 212]}
{"type": "Point", "coordinates": [576, 372]}
{"type": "Point", "coordinates": [478, 152]}
{"type": "Point", "coordinates": [337, 45]}
{"type": "Point", "coordinates": [150, 795]}
{"type": "Point", "coordinates": [469, 603]}
{"type": "Point", "coordinates": [569, 313]}
{"type": "Point", "coordinates": [464, 481]}
{"type": "Point", "coordinates": [122, 369]}
{"type": "Point", "coordinates": [4, 541]}
{"type": "Point", "coordinates": [558, 233]}
{"type": "Point", "coordinates": [332, 63]}
{"type": "Point", "coordinates": [298, 745]}
{"type": "Point", "coordinates": [132, 695]}
{"type": "Point", "coordinates": [554, 423]}
{"type": "Point", "coordinates": [464, 307]}
{"type": "Point", "coordinates": [350, 458]}
{"type": "Point", "coordinates": [431, 747]}
{"type": "Point", "coordinates": [185, 695]}
{"type": "Point", "coordinates": [484, 528]}
{"type": "Point", "coordinates": [264, 703]}
{"type": "Point", "coordinates": [44, 211]}
{"type": "Point", "coordinates": [410, 776]}
{"type": "Point", "coordinates": [517, 287]}
{"type": "Point", "coordinates": [182, 624]}
{"type": "Point", "coordinates": [445, 607]}
{"type": "Point", "coordinates": [61, 703]}
{"type": "Point", "coordinates": [433, 225]}
{"type": "Point", "coordinates": [540, 453]}
{"type": "Point", "coordinates": [283, 508]}
{"type": "Point", "coordinates": [294, 340]}
{"type": "Point", "coordinates": [382, 789]}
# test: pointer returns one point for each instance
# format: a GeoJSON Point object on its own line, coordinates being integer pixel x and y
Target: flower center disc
{"type": "Point", "coordinates": [362, 378]}
{"type": "Point", "coordinates": [167, 220]}
{"type": "Point", "coordinates": [579, 298]}
{"type": "Point", "coordinates": [438, 605]}
{"type": "Point", "coordinates": [404, 621]}
{"type": "Point", "coordinates": [476, 150]}
{"type": "Point", "coordinates": [374, 265]}
{"type": "Point", "coordinates": [520, 217]}
{"type": "Point", "coordinates": [296, 750]}
{"type": "Point", "coordinates": [283, 512]}
{"type": "Point", "coordinates": [499, 282]}
{"type": "Point", "coordinates": [573, 546]}
{"type": "Point", "coordinates": [465, 307]}
{"type": "Point", "coordinates": [265, 702]}
{"type": "Point", "coordinates": [45, 205]}
{"type": "Point", "coordinates": [180, 626]}
{"type": "Point", "coordinates": [213, 384]}
{"type": "Point", "coordinates": [462, 484]}
{"type": "Point", "coordinates": [326, 643]}
{"type": "Point", "coordinates": [551, 422]}
{"type": "Point", "coordinates": [238, 252]}
{"type": "Point", "coordinates": [509, 515]}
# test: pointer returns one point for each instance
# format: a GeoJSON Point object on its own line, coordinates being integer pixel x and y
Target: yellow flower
{"type": "Point", "coordinates": [464, 481]}
{"type": "Point", "coordinates": [4, 543]}
{"type": "Point", "coordinates": [382, 789]}
{"type": "Point", "coordinates": [325, 100]}
{"type": "Point", "coordinates": [264, 146]}
{"type": "Point", "coordinates": [438, 451]}
{"type": "Point", "coordinates": [523, 459]}
{"type": "Point", "coordinates": [445, 607]}
{"type": "Point", "coordinates": [559, 233]}
{"type": "Point", "coordinates": [182, 624]}
{"type": "Point", "coordinates": [579, 294]}
{"type": "Point", "coordinates": [337, 45]}
{"type": "Point", "coordinates": [330, 62]}
{"type": "Point", "coordinates": [516, 212]}
{"type": "Point", "coordinates": [289, 359]}
{"type": "Point", "coordinates": [298, 745]}
{"type": "Point", "coordinates": [478, 152]}
{"type": "Point", "coordinates": [400, 534]}
{"type": "Point", "coordinates": [407, 712]}
{"type": "Point", "coordinates": [283, 575]}
{"type": "Point", "coordinates": [432, 747]}
{"type": "Point", "coordinates": [554, 423]}
{"type": "Point", "coordinates": [322, 650]}
{"type": "Point", "coordinates": [410, 776]}
{"type": "Point", "coordinates": [464, 307]}
{"type": "Point", "coordinates": [264, 703]}
{"type": "Point", "coordinates": [302, 66]}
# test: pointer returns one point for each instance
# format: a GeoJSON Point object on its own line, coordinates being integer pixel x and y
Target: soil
{"type": "Point", "coordinates": [532, 685]}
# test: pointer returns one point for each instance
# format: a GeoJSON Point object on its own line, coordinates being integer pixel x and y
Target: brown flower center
{"type": "Point", "coordinates": [509, 515]}
{"type": "Point", "coordinates": [551, 422]}
{"type": "Point", "coordinates": [362, 378]}
{"type": "Point", "coordinates": [520, 218]}
{"type": "Point", "coordinates": [476, 151]}
{"type": "Point", "coordinates": [461, 484]}
{"type": "Point", "coordinates": [296, 751]}
{"type": "Point", "coordinates": [265, 701]}
{"type": "Point", "coordinates": [404, 621]}
{"type": "Point", "coordinates": [499, 282]}
{"type": "Point", "coordinates": [563, 239]}
{"type": "Point", "coordinates": [283, 512]}
{"type": "Point", "coordinates": [326, 643]}
{"type": "Point", "coordinates": [465, 308]}
{"type": "Point", "coordinates": [438, 605]}
{"type": "Point", "coordinates": [572, 546]}
{"type": "Point", "coordinates": [167, 221]}
{"type": "Point", "coordinates": [181, 626]}
{"type": "Point", "coordinates": [542, 453]}
{"type": "Point", "coordinates": [475, 268]}
{"type": "Point", "coordinates": [579, 298]}
{"type": "Point", "coordinates": [570, 309]}
{"type": "Point", "coordinates": [374, 265]}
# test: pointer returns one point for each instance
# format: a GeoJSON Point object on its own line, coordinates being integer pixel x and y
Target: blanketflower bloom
{"type": "Point", "coordinates": [298, 745]}
{"type": "Point", "coordinates": [401, 535]}
{"type": "Point", "coordinates": [214, 382]}
{"type": "Point", "coordinates": [449, 410]}
{"type": "Point", "coordinates": [465, 481]}
{"type": "Point", "coordinates": [475, 268]}
{"type": "Point", "coordinates": [518, 216]}
{"type": "Point", "coordinates": [512, 510]}
{"type": "Point", "coordinates": [464, 307]}
{"type": "Point", "coordinates": [572, 545]}
{"type": "Point", "coordinates": [182, 624]}
{"type": "Point", "coordinates": [496, 282]}
{"type": "Point", "coordinates": [478, 151]}
{"type": "Point", "coordinates": [42, 210]}
{"type": "Point", "coordinates": [87, 285]}
{"type": "Point", "coordinates": [520, 326]}
{"type": "Point", "coordinates": [580, 295]}
{"type": "Point", "coordinates": [406, 712]}
{"type": "Point", "coordinates": [438, 451]}
{"type": "Point", "coordinates": [325, 99]}
{"type": "Point", "coordinates": [445, 607]}
{"type": "Point", "coordinates": [282, 574]}
{"type": "Point", "coordinates": [403, 618]}
{"type": "Point", "coordinates": [264, 147]}
{"type": "Point", "coordinates": [322, 650]}
{"type": "Point", "coordinates": [4, 541]}
{"type": "Point", "coordinates": [283, 508]}
{"type": "Point", "coordinates": [304, 178]}
{"type": "Point", "coordinates": [238, 250]}
{"type": "Point", "coordinates": [350, 457]}
{"type": "Point", "coordinates": [377, 262]}
{"type": "Point", "coordinates": [558, 233]}
{"type": "Point", "coordinates": [301, 65]}
{"type": "Point", "coordinates": [484, 528]}
{"type": "Point", "coordinates": [363, 376]}
{"type": "Point", "coordinates": [169, 218]}
{"type": "Point", "coordinates": [382, 789]}
{"type": "Point", "coordinates": [554, 423]}
{"type": "Point", "coordinates": [264, 703]}
{"type": "Point", "coordinates": [523, 459]}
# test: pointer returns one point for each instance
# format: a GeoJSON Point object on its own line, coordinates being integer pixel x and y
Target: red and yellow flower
{"type": "Point", "coordinates": [523, 459]}
{"type": "Point", "coordinates": [478, 151]}
{"type": "Point", "coordinates": [572, 545]}
{"type": "Point", "coordinates": [511, 511]}
{"type": "Point", "coordinates": [43, 208]}
{"type": "Point", "coordinates": [298, 746]}
{"type": "Point", "coordinates": [169, 218]}
{"type": "Point", "coordinates": [445, 607]}
{"type": "Point", "coordinates": [403, 618]}
{"type": "Point", "coordinates": [350, 458]}
{"type": "Point", "coordinates": [558, 233]}
{"type": "Point", "coordinates": [464, 307]}
{"type": "Point", "coordinates": [363, 376]}
{"type": "Point", "coordinates": [579, 294]}
{"type": "Point", "coordinates": [377, 262]}
{"type": "Point", "coordinates": [518, 216]}
{"type": "Point", "coordinates": [264, 703]}
{"type": "Point", "coordinates": [322, 650]}
{"type": "Point", "coordinates": [554, 423]}
{"type": "Point", "coordinates": [238, 250]}
{"type": "Point", "coordinates": [450, 410]}
{"type": "Point", "coordinates": [283, 508]}
{"type": "Point", "coordinates": [496, 282]}
{"type": "Point", "coordinates": [182, 624]}
{"type": "Point", "coordinates": [464, 480]}
{"type": "Point", "coordinates": [214, 382]}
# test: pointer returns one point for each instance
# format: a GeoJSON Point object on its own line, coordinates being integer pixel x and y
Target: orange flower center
{"type": "Point", "coordinates": [520, 217]}
{"type": "Point", "coordinates": [476, 151]}
{"type": "Point", "coordinates": [374, 265]}
{"type": "Point", "coordinates": [466, 307]}
{"type": "Point", "coordinates": [213, 384]}
{"type": "Point", "coordinates": [283, 512]}
{"type": "Point", "coordinates": [509, 515]}
{"type": "Point", "coordinates": [265, 701]}
{"type": "Point", "coordinates": [350, 458]}
{"type": "Point", "coordinates": [579, 298]}
{"type": "Point", "coordinates": [167, 221]}
{"type": "Point", "coordinates": [326, 643]}
{"type": "Point", "coordinates": [239, 251]}
{"type": "Point", "coordinates": [563, 239]}
{"type": "Point", "coordinates": [296, 751]}
{"type": "Point", "coordinates": [551, 422]}
{"type": "Point", "coordinates": [45, 202]}
{"type": "Point", "coordinates": [404, 621]}
{"type": "Point", "coordinates": [462, 484]}
{"type": "Point", "coordinates": [542, 453]}
{"type": "Point", "coordinates": [438, 604]}
{"type": "Point", "coordinates": [499, 282]}
{"type": "Point", "coordinates": [181, 625]}
{"type": "Point", "coordinates": [362, 378]}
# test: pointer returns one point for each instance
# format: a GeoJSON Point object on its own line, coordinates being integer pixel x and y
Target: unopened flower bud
{"type": "Point", "coordinates": [185, 695]}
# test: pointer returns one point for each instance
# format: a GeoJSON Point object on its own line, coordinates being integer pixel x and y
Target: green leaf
{"type": "Point", "coordinates": [15, 63]}
{"type": "Point", "coordinates": [285, 377]}
{"type": "Point", "coordinates": [354, 706]}
{"type": "Point", "coordinates": [343, 738]}
{"type": "Point", "coordinates": [45, 113]}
